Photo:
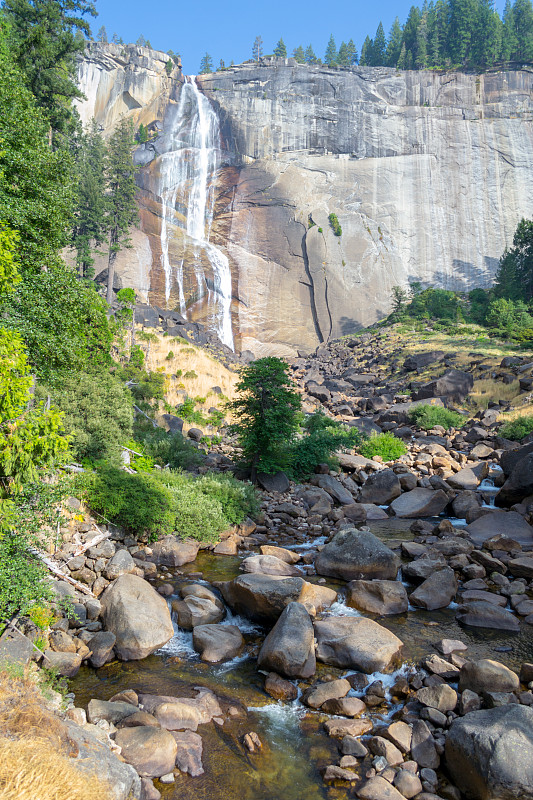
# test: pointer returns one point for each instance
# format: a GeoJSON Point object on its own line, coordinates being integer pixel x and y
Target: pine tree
{"type": "Point", "coordinates": [206, 64]}
{"type": "Point", "coordinates": [402, 58]}
{"type": "Point", "coordinates": [394, 44]}
{"type": "Point", "coordinates": [421, 60]}
{"type": "Point", "coordinates": [280, 51]}
{"type": "Point", "coordinates": [257, 48]}
{"type": "Point", "coordinates": [330, 56]}
{"type": "Point", "coordinates": [342, 56]}
{"type": "Point", "coordinates": [299, 54]}
{"type": "Point", "coordinates": [141, 41]}
{"type": "Point", "coordinates": [509, 38]}
{"type": "Point", "coordinates": [89, 226]}
{"type": "Point", "coordinates": [142, 134]}
{"type": "Point", "coordinates": [352, 52]}
{"type": "Point", "coordinates": [115, 39]}
{"type": "Point", "coordinates": [366, 53]}
{"type": "Point", "coordinates": [121, 206]}
{"type": "Point", "coordinates": [523, 19]}
{"type": "Point", "coordinates": [310, 57]}
{"type": "Point", "coordinates": [222, 65]}
{"type": "Point", "coordinates": [379, 47]}
{"type": "Point", "coordinates": [101, 36]}
{"type": "Point", "coordinates": [46, 37]}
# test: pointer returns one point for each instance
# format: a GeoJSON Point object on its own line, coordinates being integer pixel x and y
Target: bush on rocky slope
{"type": "Point", "coordinates": [427, 416]}
{"type": "Point", "coordinates": [517, 429]}
{"type": "Point", "coordinates": [386, 445]}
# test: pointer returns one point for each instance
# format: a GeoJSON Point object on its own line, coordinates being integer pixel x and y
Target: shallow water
{"type": "Point", "coordinates": [296, 748]}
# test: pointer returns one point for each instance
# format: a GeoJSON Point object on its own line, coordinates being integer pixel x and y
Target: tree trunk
{"type": "Point", "coordinates": [111, 268]}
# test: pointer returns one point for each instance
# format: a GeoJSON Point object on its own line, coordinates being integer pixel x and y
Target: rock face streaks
{"type": "Point", "coordinates": [428, 174]}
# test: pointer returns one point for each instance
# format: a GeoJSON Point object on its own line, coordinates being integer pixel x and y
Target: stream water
{"type": "Point", "coordinates": [187, 176]}
{"type": "Point", "coordinates": [296, 747]}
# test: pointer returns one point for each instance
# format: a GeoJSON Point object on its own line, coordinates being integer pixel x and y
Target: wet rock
{"type": "Point", "coordinates": [487, 615]}
{"type": "Point", "coordinates": [400, 735]}
{"type": "Point", "coordinates": [437, 591]}
{"type": "Point", "coordinates": [353, 747]}
{"type": "Point", "coordinates": [205, 705]}
{"type": "Point", "coordinates": [381, 488]}
{"type": "Point", "coordinates": [260, 597]}
{"type": "Point", "coordinates": [252, 742]}
{"type": "Point", "coordinates": [449, 646]}
{"type": "Point", "coordinates": [344, 707]}
{"type": "Point", "coordinates": [289, 647]}
{"type": "Point", "coordinates": [489, 754]}
{"type": "Point", "coordinates": [423, 567]}
{"type": "Point", "coordinates": [407, 783]}
{"type": "Point", "coordinates": [521, 567]}
{"type": "Point", "coordinates": [420, 503]}
{"type": "Point", "coordinates": [353, 554]}
{"type": "Point", "coordinates": [269, 565]}
{"type": "Point", "coordinates": [151, 751]}
{"type": "Point", "coordinates": [334, 773]}
{"type": "Point", "coordinates": [173, 552]}
{"type": "Point", "coordinates": [357, 643]}
{"type": "Point", "coordinates": [279, 688]}
{"type": "Point", "coordinates": [469, 477]}
{"type": "Point", "coordinates": [139, 718]}
{"type": "Point", "coordinates": [382, 747]}
{"type": "Point", "coordinates": [137, 615]}
{"type": "Point", "coordinates": [486, 675]}
{"type": "Point", "coordinates": [193, 611]}
{"type": "Point", "coordinates": [189, 755]}
{"type": "Point", "coordinates": [217, 643]}
{"type": "Point", "coordinates": [101, 645]}
{"type": "Point", "coordinates": [378, 597]}
{"type": "Point", "coordinates": [423, 749]}
{"type": "Point", "coordinates": [149, 792]}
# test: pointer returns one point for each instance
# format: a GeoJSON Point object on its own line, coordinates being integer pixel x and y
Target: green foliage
{"type": "Point", "coordinates": [142, 133]}
{"type": "Point", "coordinates": [299, 55]}
{"type": "Point", "coordinates": [386, 445]}
{"type": "Point", "coordinates": [322, 438]}
{"type": "Point", "coordinates": [23, 579]}
{"type": "Point", "coordinates": [330, 57]}
{"type": "Point", "coordinates": [427, 416]}
{"type": "Point", "coordinates": [507, 317]}
{"type": "Point", "coordinates": [46, 36]}
{"type": "Point", "coordinates": [514, 280]}
{"type": "Point", "coordinates": [335, 224]}
{"type": "Point", "coordinates": [399, 299]}
{"type": "Point", "coordinates": [9, 274]}
{"type": "Point", "coordinates": [141, 503]}
{"type": "Point", "coordinates": [90, 224]}
{"type": "Point", "coordinates": [517, 429]}
{"type": "Point", "coordinates": [169, 66]}
{"type": "Point", "coordinates": [266, 414]}
{"type": "Point", "coordinates": [15, 378]}
{"type": "Point", "coordinates": [437, 304]}
{"type": "Point", "coordinates": [98, 413]}
{"type": "Point", "coordinates": [280, 50]}
{"type": "Point", "coordinates": [169, 449]}
{"type": "Point", "coordinates": [206, 65]}
{"type": "Point", "coordinates": [190, 374]}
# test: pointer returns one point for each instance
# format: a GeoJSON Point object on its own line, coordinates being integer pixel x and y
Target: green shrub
{"type": "Point", "coordinates": [23, 579]}
{"type": "Point", "coordinates": [324, 436]}
{"type": "Point", "coordinates": [427, 416]}
{"type": "Point", "coordinates": [517, 429]}
{"type": "Point", "coordinates": [140, 503]}
{"type": "Point", "coordinates": [198, 516]}
{"type": "Point", "coordinates": [335, 224]}
{"type": "Point", "coordinates": [238, 499]}
{"type": "Point", "coordinates": [170, 449]}
{"type": "Point", "coordinates": [98, 413]}
{"type": "Point", "coordinates": [386, 445]}
{"type": "Point", "coordinates": [170, 355]}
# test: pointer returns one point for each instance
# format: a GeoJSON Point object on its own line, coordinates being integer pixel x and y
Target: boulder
{"type": "Point", "coordinates": [182, 712]}
{"type": "Point", "coordinates": [377, 788]}
{"type": "Point", "coordinates": [419, 361]}
{"type": "Point", "coordinates": [486, 675]}
{"type": "Point", "coordinates": [437, 591]}
{"type": "Point", "coordinates": [98, 710]}
{"type": "Point", "coordinates": [280, 689]}
{"type": "Point", "coordinates": [423, 749]}
{"type": "Point", "coordinates": [442, 697]}
{"type": "Point", "coordinates": [521, 567]}
{"type": "Point", "coordinates": [269, 565]}
{"type": "Point", "coordinates": [121, 564]}
{"type": "Point", "coordinates": [288, 556]}
{"type": "Point", "coordinates": [353, 554]}
{"type": "Point", "coordinates": [217, 643]}
{"type": "Point", "coordinates": [420, 503]}
{"type": "Point", "coordinates": [316, 598]}
{"type": "Point", "coordinates": [489, 753]}
{"type": "Point", "coordinates": [189, 755]}
{"type": "Point", "coordinates": [101, 645]}
{"type": "Point", "coordinates": [334, 488]}
{"type": "Point", "coordinates": [263, 597]}
{"type": "Point", "coordinates": [151, 751]}
{"type": "Point", "coordinates": [508, 523]}
{"type": "Point", "coordinates": [469, 477]}
{"type": "Point", "coordinates": [193, 611]}
{"type": "Point", "coordinates": [289, 647]}
{"type": "Point", "coordinates": [423, 567]}
{"type": "Point", "coordinates": [487, 615]}
{"type": "Point", "coordinates": [330, 690]}
{"type": "Point", "coordinates": [378, 597]}
{"type": "Point", "coordinates": [137, 615]}
{"type": "Point", "coordinates": [65, 664]}
{"type": "Point", "coordinates": [173, 552]}
{"type": "Point", "coordinates": [344, 707]}
{"type": "Point", "coordinates": [519, 484]}
{"type": "Point", "coordinates": [453, 385]}
{"type": "Point", "coordinates": [277, 483]}
{"type": "Point", "coordinates": [381, 488]}
{"type": "Point", "coordinates": [356, 643]}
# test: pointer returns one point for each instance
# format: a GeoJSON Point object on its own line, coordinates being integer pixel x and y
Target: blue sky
{"type": "Point", "coordinates": [227, 29]}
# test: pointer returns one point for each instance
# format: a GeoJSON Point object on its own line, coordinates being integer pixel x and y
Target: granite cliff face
{"type": "Point", "coordinates": [427, 173]}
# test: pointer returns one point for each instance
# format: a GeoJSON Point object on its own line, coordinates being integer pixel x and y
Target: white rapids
{"type": "Point", "coordinates": [187, 175]}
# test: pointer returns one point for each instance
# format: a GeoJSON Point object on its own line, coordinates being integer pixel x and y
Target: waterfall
{"type": "Point", "coordinates": [188, 171]}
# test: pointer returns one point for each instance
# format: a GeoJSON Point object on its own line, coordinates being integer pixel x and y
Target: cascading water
{"type": "Point", "coordinates": [188, 169]}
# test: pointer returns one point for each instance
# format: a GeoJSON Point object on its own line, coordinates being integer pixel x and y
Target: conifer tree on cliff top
{"type": "Point", "coordinates": [280, 51]}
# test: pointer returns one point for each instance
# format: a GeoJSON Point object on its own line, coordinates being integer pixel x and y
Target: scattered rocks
{"type": "Point", "coordinates": [354, 554]}
{"type": "Point", "coordinates": [289, 647]}
{"type": "Point", "coordinates": [357, 643]}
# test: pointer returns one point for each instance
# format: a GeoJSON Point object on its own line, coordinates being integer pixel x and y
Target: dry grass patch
{"type": "Point", "coordinates": [487, 391]}
{"type": "Point", "coordinates": [35, 748]}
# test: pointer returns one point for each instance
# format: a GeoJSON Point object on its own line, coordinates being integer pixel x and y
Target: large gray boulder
{"type": "Point", "coordinates": [437, 591]}
{"type": "Point", "coordinates": [137, 615]}
{"type": "Point", "coordinates": [217, 643]}
{"type": "Point", "coordinates": [481, 614]}
{"type": "Point", "coordinates": [334, 488]}
{"type": "Point", "coordinates": [381, 488]}
{"type": "Point", "coordinates": [489, 754]}
{"type": "Point", "coordinates": [356, 643]}
{"type": "Point", "coordinates": [173, 552]}
{"type": "Point", "coordinates": [519, 484]}
{"type": "Point", "coordinates": [486, 675]}
{"type": "Point", "coordinates": [289, 648]}
{"type": "Point", "coordinates": [378, 597]}
{"type": "Point", "coordinates": [454, 385]}
{"type": "Point", "coordinates": [420, 503]}
{"type": "Point", "coordinates": [354, 555]}
{"type": "Point", "coordinates": [263, 597]}
{"type": "Point", "coordinates": [504, 523]}
{"type": "Point", "coordinates": [193, 611]}
{"type": "Point", "coordinates": [152, 751]}
{"type": "Point", "coordinates": [269, 565]}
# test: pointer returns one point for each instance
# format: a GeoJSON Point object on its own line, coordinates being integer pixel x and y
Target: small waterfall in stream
{"type": "Point", "coordinates": [188, 171]}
